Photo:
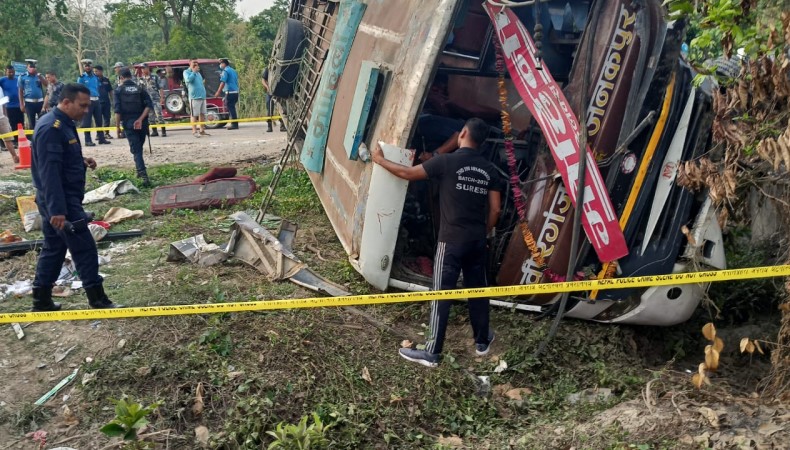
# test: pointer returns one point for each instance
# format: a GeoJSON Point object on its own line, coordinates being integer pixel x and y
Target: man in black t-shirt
{"type": "Point", "coordinates": [470, 202]}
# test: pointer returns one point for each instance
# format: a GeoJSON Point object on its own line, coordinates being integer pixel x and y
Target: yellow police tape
{"type": "Point", "coordinates": [166, 125]}
{"type": "Point", "coordinates": [380, 299]}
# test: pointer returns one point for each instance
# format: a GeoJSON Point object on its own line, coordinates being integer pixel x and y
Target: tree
{"type": "Point", "coordinates": [25, 27]}
{"type": "Point", "coordinates": [188, 27]}
{"type": "Point", "coordinates": [80, 28]}
{"type": "Point", "coordinates": [266, 24]}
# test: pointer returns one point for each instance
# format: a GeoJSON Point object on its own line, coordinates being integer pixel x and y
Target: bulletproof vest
{"type": "Point", "coordinates": [131, 96]}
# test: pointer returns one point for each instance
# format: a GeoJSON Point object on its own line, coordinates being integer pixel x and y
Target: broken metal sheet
{"type": "Point", "coordinates": [198, 251]}
{"type": "Point", "coordinates": [306, 277]}
{"type": "Point", "coordinates": [257, 247]}
{"type": "Point", "coordinates": [311, 280]}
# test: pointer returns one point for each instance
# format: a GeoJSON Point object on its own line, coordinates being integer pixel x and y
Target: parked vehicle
{"type": "Point", "coordinates": [372, 73]}
{"type": "Point", "coordinates": [176, 105]}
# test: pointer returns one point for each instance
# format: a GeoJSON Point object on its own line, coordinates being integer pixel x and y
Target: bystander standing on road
{"type": "Point", "coordinates": [196, 89]}
{"type": "Point", "coordinates": [270, 102]}
{"type": "Point", "coordinates": [5, 128]}
{"type": "Point", "coordinates": [91, 81]}
{"type": "Point", "coordinates": [132, 105]}
{"type": "Point", "coordinates": [54, 87]}
{"type": "Point", "coordinates": [32, 86]}
{"type": "Point", "coordinates": [229, 85]}
{"type": "Point", "coordinates": [10, 87]}
{"type": "Point", "coordinates": [470, 203]}
{"type": "Point", "coordinates": [105, 100]}
{"type": "Point", "coordinates": [58, 170]}
{"type": "Point", "coordinates": [150, 83]}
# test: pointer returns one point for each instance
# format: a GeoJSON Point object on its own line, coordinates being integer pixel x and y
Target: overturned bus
{"type": "Point", "coordinates": [408, 73]}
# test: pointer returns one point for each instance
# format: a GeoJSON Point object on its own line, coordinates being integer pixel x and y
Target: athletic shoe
{"type": "Point", "coordinates": [196, 134]}
{"type": "Point", "coordinates": [90, 144]}
{"type": "Point", "coordinates": [420, 357]}
{"type": "Point", "coordinates": [482, 349]}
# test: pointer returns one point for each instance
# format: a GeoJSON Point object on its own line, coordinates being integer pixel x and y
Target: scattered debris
{"type": "Point", "coordinates": [483, 385]}
{"type": "Point", "coordinates": [68, 418]}
{"type": "Point", "coordinates": [121, 343]}
{"type": "Point", "coordinates": [10, 188]}
{"type": "Point", "coordinates": [452, 441]}
{"type": "Point", "coordinates": [711, 415]}
{"type": "Point", "coordinates": [366, 375]}
{"type": "Point", "coordinates": [198, 251]}
{"type": "Point", "coordinates": [57, 388]}
{"type": "Point", "coordinates": [18, 288]}
{"type": "Point", "coordinates": [197, 407]}
{"type": "Point", "coordinates": [257, 247]}
{"type": "Point", "coordinates": [18, 330]}
{"type": "Point", "coordinates": [598, 395]}
{"type": "Point", "coordinates": [32, 245]}
{"type": "Point", "coordinates": [88, 377]}
{"type": "Point", "coordinates": [61, 356]}
{"type": "Point", "coordinates": [109, 191]}
{"type": "Point", "coordinates": [28, 212]}
{"type": "Point", "coordinates": [518, 394]}
{"type": "Point", "coordinates": [8, 236]}
{"type": "Point", "coordinates": [197, 196]}
{"type": "Point", "coordinates": [202, 435]}
{"type": "Point", "coordinates": [117, 215]}
{"type": "Point", "coordinates": [62, 291]}
{"type": "Point", "coordinates": [501, 367]}
{"type": "Point", "coordinates": [97, 231]}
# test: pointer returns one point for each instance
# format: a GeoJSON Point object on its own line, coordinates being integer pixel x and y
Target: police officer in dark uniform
{"type": "Point", "coordinates": [132, 105]}
{"type": "Point", "coordinates": [58, 170]}
{"type": "Point", "coordinates": [105, 99]}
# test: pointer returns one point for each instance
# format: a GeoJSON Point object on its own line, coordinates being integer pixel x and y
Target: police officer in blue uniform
{"type": "Point", "coordinates": [58, 170]}
{"type": "Point", "coordinates": [92, 82]}
{"type": "Point", "coordinates": [132, 105]}
{"type": "Point", "coordinates": [229, 85]}
{"type": "Point", "coordinates": [32, 86]}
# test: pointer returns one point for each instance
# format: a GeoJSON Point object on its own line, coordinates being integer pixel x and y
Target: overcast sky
{"type": "Point", "coordinates": [248, 8]}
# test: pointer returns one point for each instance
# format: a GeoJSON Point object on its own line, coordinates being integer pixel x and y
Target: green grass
{"type": "Point", "coordinates": [258, 369]}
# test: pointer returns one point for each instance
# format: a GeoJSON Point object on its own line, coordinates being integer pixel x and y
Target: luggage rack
{"type": "Point", "coordinates": [317, 18]}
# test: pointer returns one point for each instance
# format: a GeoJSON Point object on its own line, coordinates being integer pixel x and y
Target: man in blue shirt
{"type": "Point", "coordinates": [229, 84]}
{"type": "Point", "coordinates": [197, 97]}
{"type": "Point", "coordinates": [58, 170]}
{"type": "Point", "coordinates": [11, 90]}
{"type": "Point", "coordinates": [91, 81]}
{"type": "Point", "coordinates": [31, 93]}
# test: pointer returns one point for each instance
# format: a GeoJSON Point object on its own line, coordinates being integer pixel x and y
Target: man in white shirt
{"type": "Point", "coordinates": [5, 128]}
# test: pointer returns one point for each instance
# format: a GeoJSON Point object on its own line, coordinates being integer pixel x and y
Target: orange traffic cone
{"type": "Point", "coordinates": [24, 149]}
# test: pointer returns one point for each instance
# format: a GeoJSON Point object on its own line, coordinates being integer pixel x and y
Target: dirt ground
{"type": "Point", "coordinates": [250, 141]}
